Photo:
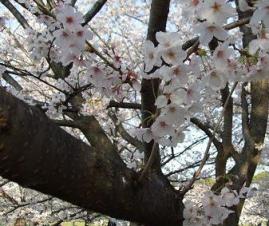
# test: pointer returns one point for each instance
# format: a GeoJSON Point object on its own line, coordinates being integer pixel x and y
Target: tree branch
{"type": "Point", "coordinates": [23, 22]}
{"type": "Point", "coordinates": [207, 131]}
{"type": "Point", "coordinates": [115, 104]}
{"type": "Point", "coordinates": [124, 134]}
{"type": "Point", "coordinates": [37, 154]}
{"type": "Point", "coordinates": [98, 5]}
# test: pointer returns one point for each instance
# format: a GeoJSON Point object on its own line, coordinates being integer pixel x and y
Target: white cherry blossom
{"type": "Point", "coordinates": [215, 80]}
{"type": "Point", "coordinates": [221, 57]}
{"type": "Point", "coordinates": [161, 127]}
{"type": "Point", "coordinates": [209, 30]}
{"type": "Point", "coordinates": [161, 101]}
{"type": "Point", "coordinates": [216, 11]}
{"type": "Point", "coordinates": [261, 14]}
{"type": "Point", "coordinates": [262, 43]}
{"type": "Point", "coordinates": [173, 55]}
{"type": "Point", "coordinates": [67, 15]}
{"type": "Point", "coordinates": [167, 39]}
{"type": "Point", "coordinates": [229, 198]}
{"type": "Point", "coordinates": [151, 56]}
{"type": "Point", "coordinates": [179, 72]}
{"type": "Point", "coordinates": [174, 114]}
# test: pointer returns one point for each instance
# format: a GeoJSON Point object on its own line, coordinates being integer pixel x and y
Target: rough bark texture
{"type": "Point", "coordinates": [38, 154]}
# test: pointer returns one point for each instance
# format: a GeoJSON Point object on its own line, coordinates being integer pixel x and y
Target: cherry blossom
{"type": "Point", "coordinates": [167, 39]}
{"type": "Point", "coordinates": [216, 11]}
{"type": "Point", "coordinates": [173, 55]}
{"type": "Point", "coordinates": [260, 15]}
{"type": "Point", "coordinates": [67, 15]}
{"type": "Point", "coordinates": [262, 43]}
{"type": "Point", "coordinates": [221, 56]}
{"type": "Point", "coordinates": [186, 80]}
{"type": "Point", "coordinates": [151, 56]}
{"type": "Point", "coordinates": [229, 198]}
{"type": "Point", "coordinates": [174, 114]}
{"type": "Point", "coordinates": [162, 127]}
{"type": "Point", "coordinates": [207, 31]}
{"type": "Point", "coordinates": [179, 72]}
{"type": "Point", "coordinates": [215, 80]}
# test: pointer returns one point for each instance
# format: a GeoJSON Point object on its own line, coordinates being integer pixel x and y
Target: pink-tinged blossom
{"type": "Point", "coordinates": [173, 55]}
{"type": "Point", "coordinates": [174, 114]}
{"type": "Point", "coordinates": [179, 72]}
{"type": "Point", "coordinates": [68, 16]}
{"type": "Point", "coordinates": [261, 70]}
{"type": "Point", "coordinates": [207, 31]}
{"type": "Point", "coordinates": [151, 56]}
{"type": "Point", "coordinates": [191, 7]}
{"type": "Point", "coordinates": [178, 97]}
{"type": "Point", "coordinates": [72, 40]}
{"type": "Point", "coordinates": [178, 137]}
{"type": "Point", "coordinates": [68, 58]}
{"type": "Point", "coordinates": [193, 93]}
{"type": "Point", "coordinates": [167, 39]}
{"type": "Point", "coordinates": [170, 48]}
{"type": "Point", "coordinates": [229, 198]}
{"type": "Point", "coordinates": [221, 57]}
{"type": "Point", "coordinates": [97, 76]}
{"type": "Point", "coordinates": [161, 127]}
{"type": "Point", "coordinates": [190, 210]}
{"type": "Point", "coordinates": [216, 11]}
{"type": "Point", "coordinates": [72, 36]}
{"type": "Point", "coordinates": [215, 80]}
{"type": "Point", "coordinates": [161, 73]}
{"type": "Point", "coordinates": [213, 209]}
{"type": "Point", "coordinates": [261, 14]}
{"type": "Point", "coordinates": [64, 38]}
{"type": "Point", "coordinates": [194, 65]}
{"type": "Point", "coordinates": [261, 43]}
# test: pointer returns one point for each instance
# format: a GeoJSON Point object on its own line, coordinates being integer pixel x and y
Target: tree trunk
{"type": "Point", "coordinates": [38, 154]}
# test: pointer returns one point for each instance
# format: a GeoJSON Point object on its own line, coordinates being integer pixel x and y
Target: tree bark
{"type": "Point", "coordinates": [38, 154]}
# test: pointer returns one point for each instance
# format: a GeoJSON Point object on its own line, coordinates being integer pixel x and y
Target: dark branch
{"type": "Point", "coordinates": [115, 104]}
{"type": "Point", "coordinates": [36, 153]}
{"type": "Point", "coordinates": [98, 5]}
{"type": "Point", "coordinates": [16, 13]}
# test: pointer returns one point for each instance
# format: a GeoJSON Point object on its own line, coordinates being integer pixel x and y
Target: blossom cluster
{"type": "Point", "coordinates": [187, 78]}
{"type": "Point", "coordinates": [71, 37]}
{"type": "Point", "coordinates": [214, 209]}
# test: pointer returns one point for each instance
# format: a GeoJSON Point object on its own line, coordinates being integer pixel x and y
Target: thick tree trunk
{"type": "Point", "coordinates": [38, 154]}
